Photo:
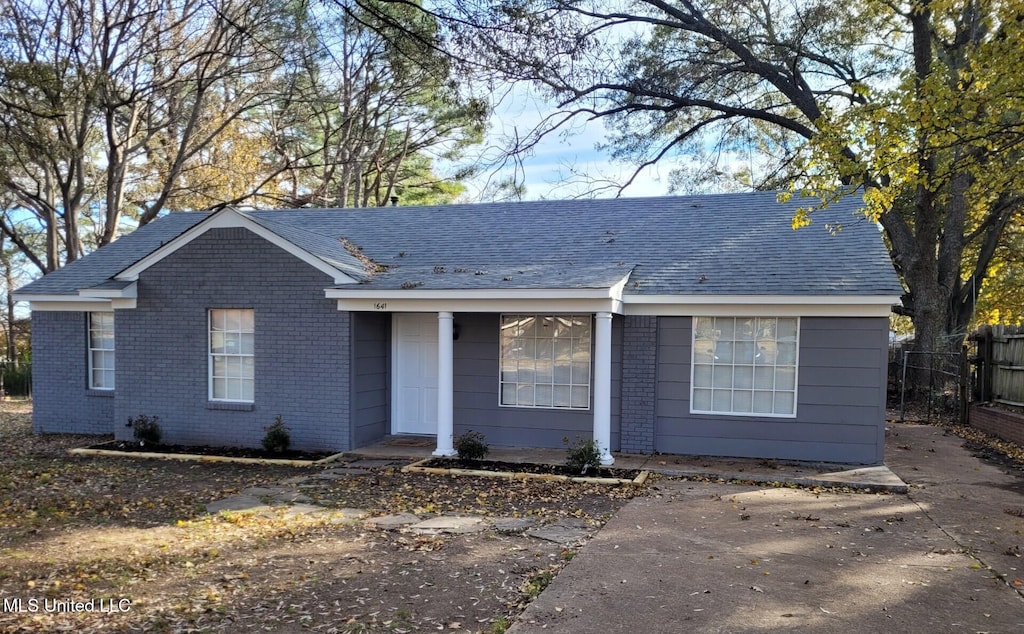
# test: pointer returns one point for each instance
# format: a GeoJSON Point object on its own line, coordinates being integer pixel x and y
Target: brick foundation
{"type": "Point", "coordinates": [1000, 422]}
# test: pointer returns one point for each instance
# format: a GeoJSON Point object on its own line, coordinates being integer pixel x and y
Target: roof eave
{"type": "Point", "coordinates": [761, 305]}
{"type": "Point", "coordinates": [590, 299]}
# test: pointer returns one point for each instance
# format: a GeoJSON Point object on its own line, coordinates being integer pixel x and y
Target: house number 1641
{"type": "Point", "coordinates": [380, 306]}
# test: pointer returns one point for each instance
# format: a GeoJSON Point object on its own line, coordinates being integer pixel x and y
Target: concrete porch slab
{"type": "Point", "coordinates": [755, 470]}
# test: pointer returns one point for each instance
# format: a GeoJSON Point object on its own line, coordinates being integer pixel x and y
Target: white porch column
{"type": "Point", "coordinates": [445, 386]}
{"type": "Point", "coordinates": [603, 386]}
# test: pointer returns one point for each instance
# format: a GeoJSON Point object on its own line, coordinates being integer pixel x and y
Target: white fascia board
{"type": "Point", "coordinates": [562, 300]}
{"type": "Point", "coordinates": [128, 292]}
{"type": "Point", "coordinates": [616, 290]}
{"type": "Point", "coordinates": [761, 305]}
{"type": "Point", "coordinates": [120, 298]}
{"type": "Point", "coordinates": [467, 293]}
{"type": "Point", "coordinates": [46, 297]}
{"type": "Point", "coordinates": [361, 292]}
{"type": "Point", "coordinates": [481, 305]}
{"type": "Point", "coordinates": [888, 300]}
{"type": "Point", "coordinates": [69, 303]}
{"type": "Point", "coordinates": [228, 218]}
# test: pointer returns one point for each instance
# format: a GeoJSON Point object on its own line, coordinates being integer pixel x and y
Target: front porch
{"type": "Point", "coordinates": [437, 375]}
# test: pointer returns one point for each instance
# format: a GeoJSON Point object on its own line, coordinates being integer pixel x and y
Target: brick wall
{"type": "Point", "coordinates": [302, 346]}
{"type": "Point", "coordinates": [639, 364]}
{"type": "Point", "coordinates": [62, 403]}
{"type": "Point", "coordinates": [998, 422]}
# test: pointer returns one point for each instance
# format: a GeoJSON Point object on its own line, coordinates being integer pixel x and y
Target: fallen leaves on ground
{"type": "Point", "coordinates": [90, 529]}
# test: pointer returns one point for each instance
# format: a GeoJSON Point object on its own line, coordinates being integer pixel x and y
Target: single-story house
{"type": "Point", "coordinates": [699, 325]}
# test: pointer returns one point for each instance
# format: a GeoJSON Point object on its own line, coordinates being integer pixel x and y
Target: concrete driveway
{"type": "Point", "coordinates": [705, 557]}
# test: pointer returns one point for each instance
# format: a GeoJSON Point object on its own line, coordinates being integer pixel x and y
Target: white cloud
{"type": "Point", "coordinates": [565, 163]}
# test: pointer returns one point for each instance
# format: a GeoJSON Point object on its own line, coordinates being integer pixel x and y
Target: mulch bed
{"type": "Point", "coordinates": [528, 467]}
{"type": "Point", "coordinates": [201, 450]}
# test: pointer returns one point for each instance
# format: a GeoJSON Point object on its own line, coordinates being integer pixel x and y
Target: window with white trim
{"type": "Point", "coordinates": [101, 351]}
{"type": "Point", "coordinates": [545, 361]}
{"type": "Point", "coordinates": [745, 366]}
{"type": "Point", "coordinates": [232, 364]}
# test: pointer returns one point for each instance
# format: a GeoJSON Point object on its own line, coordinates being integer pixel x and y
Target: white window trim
{"type": "Point", "coordinates": [92, 349]}
{"type": "Point", "coordinates": [590, 373]}
{"type": "Point", "coordinates": [210, 356]}
{"type": "Point", "coordinates": [796, 371]}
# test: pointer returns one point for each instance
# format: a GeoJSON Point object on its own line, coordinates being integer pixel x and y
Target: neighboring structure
{"type": "Point", "coordinates": [695, 325]}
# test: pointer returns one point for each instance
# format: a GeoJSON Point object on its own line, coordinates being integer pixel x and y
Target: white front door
{"type": "Point", "coordinates": [414, 373]}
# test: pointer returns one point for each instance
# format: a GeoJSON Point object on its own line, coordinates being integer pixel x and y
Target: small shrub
{"type": "Point", "coordinates": [471, 446]}
{"type": "Point", "coordinates": [146, 429]}
{"type": "Point", "coordinates": [582, 455]}
{"type": "Point", "coordinates": [537, 582]}
{"type": "Point", "coordinates": [277, 439]}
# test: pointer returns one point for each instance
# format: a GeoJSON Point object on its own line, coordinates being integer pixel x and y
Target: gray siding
{"type": "Point", "coordinates": [302, 346]}
{"type": "Point", "coordinates": [840, 398]}
{"type": "Point", "coordinates": [371, 352]}
{"type": "Point", "coordinates": [476, 393]}
{"type": "Point", "coordinates": [62, 402]}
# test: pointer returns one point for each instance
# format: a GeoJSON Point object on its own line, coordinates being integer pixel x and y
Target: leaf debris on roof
{"type": "Point", "coordinates": [371, 267]}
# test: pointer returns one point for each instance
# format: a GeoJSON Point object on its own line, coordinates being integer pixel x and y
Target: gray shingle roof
{"type": "Point", "coordinates": [101, 265]}
{"type": "Point", "coordinates": [330, 250]}
{"type": "Point", "coordinates": [555, 275]}
{"type": "Point", "coordinates": [732, 244]}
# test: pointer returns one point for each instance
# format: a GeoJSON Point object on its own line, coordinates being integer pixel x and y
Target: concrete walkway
{"type": "Point", "coordinates": [879, 478]}
{"type": "Point", "coordinates": [708, 557]}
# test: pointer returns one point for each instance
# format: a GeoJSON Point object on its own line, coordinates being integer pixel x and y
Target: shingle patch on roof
{"type": "Point", "coordinates": [556, 275]}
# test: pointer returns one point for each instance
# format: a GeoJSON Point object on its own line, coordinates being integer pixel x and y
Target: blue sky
{"type": "Point", "coordinates": [561, 165]}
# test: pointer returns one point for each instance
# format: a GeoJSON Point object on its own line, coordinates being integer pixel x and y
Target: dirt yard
{"type": "Point", "coordinates": [111, 544]}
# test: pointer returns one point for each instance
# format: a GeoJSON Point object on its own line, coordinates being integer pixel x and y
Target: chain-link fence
{"type": "Point", "coordinates": [928, 385]}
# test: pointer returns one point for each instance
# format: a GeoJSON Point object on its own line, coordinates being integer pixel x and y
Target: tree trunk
{"type": "Point", "coordinates": [12, 336]}
{"type": "Point", "coordinates": [9, 325]}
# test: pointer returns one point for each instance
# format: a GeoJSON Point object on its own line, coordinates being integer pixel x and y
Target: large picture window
{"type": "Point", "coordinates": [745, 365]}
{"type": "Point", "coordinates": [232, 365]}
{"type": "Point", "coordinates": [545, 361]}
{"type": "Point", "coordinates": [101, 351]}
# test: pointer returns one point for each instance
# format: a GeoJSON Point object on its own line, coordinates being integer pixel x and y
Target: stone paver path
{"type": "Point", "coordinates": [291, 501]}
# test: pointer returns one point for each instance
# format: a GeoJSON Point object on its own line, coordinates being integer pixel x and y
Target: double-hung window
{"type": "Point", "coordinates": [545, 361]}
{"type": "Point", "coordinates": [745, 366]}
{"type": "Point", "coordinates": [101, 351]}
{"type": "Point", "coordinates": [232, 364]}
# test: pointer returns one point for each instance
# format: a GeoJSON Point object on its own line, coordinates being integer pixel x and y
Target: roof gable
{"type": "Point", "coordinates": [342, 267]}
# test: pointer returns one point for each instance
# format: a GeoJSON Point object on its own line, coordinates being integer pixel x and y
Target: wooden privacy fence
{"type": "Point", "coordinates": [1000, 365]}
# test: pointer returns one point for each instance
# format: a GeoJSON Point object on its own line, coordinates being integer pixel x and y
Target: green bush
{"type": "Point", "coordinates": [278, 438]}
{"type": "Point", "coordinates": [17, 381]}
{"type": "Point", "coordinates": [471, 446]}
{"type": "Point", "coordinates": [146, 430]}
{"type": "Point", "coordinates": [582, 455]}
